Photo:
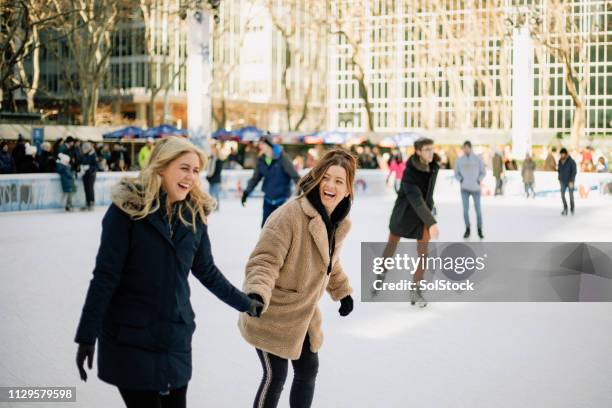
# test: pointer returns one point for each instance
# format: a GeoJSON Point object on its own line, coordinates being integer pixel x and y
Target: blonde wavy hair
{"type": "Point", "coordinates": [140, 196]}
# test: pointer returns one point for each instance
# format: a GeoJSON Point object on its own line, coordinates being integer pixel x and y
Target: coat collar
{"type": "Point", "coordinates": [159, 220]}
{"type": "Point", "coordinates": [317, 228]}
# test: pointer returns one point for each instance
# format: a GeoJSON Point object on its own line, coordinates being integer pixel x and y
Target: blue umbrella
{"type": "Point", "coordinates": [336, 137]}
{"type": "Point", "coordinates": [130, 131]}
{"type": "Point", "coordinates": [225, 135]}
{"type": "Point", "coordinates": [400, 140]}
{"type": "Point", "coordinates": [250, 134]}
{"type": "Point", "coordinates": [164, 130]}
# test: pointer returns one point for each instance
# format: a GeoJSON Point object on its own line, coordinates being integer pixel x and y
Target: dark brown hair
{"type": "Point", "coordinates": [422, 141]}
{"type": "Point", "coordinates": [336, 157]}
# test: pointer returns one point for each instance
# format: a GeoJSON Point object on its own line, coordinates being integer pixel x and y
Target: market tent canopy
{"type": "Point", "coordinates": [245, 134]}
{"type": "Point", "coordinates": [164, 130]}
{"type": "Point", "coordinates": [130, 131]}
{"type": "Point", "coordinates": [334, 137]}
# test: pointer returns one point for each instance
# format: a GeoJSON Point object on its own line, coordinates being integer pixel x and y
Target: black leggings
{"type": "Point", "coordinates": [153, 399]}
{"type": "Point", "coordinates": [89, 179]}
{"type": "Point", "coordinates": [275, 373]}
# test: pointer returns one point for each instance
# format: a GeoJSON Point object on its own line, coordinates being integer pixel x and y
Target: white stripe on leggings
{"type": "Point", "coordinates": [268, 374]}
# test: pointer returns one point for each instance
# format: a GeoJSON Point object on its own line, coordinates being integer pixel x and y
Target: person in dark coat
{"type": "Point", "coordinates": [77, 156]}
{"type": "Point", "coordinates": [46, 159]}
{"type": "Point", "coordinates": [213, 175]}
{"type": "Point", "coordinates": [67, 178]}
{"type": "Point", "coordinates": [412, 215]}
{"type": "Point", "coordinates": [7, 166]}
{"type": "Point", "coordinates": [89, 166]}
{"type": "Point", "coordinates": [29, 163]}
{"type": "Point", "coordinates": [137, 307]}
{"type": "Point", "coordinates": [498, 172]}
{"type": "Point", "coordinates": [528, 174]}
{"type": "Point", "coordinates": [277, 172]}
{"type": "Point", "coordinates": [567, 177]}
{"type": "Point", "coordinates": [18, 154]}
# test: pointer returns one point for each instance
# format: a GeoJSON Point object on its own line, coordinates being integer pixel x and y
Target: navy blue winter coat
{"type": "Point", "coordinates": [567, 171]}
{"type": "Point", "coordinates": [276, 176]}
{"type": "Point", "coordinates": [138, 306]}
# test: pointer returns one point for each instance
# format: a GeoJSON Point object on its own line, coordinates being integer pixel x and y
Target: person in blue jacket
{"type": "Point", "coordinates": [62, 167]}
{"type": "Point", "coordinates": [277, 172]}
{"type": "Point", "coordinates": [567, 176]}
{"type": "Point", "coordinates": [137, 307]}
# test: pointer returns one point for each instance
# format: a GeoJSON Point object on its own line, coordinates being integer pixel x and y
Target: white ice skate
{"type": "Point", "coordinates": [416, 297]}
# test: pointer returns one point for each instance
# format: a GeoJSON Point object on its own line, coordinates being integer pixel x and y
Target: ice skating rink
{"type": "Point", "coordinates": [474, 355]}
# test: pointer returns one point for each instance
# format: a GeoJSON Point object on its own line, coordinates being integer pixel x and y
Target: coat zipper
{"type": "Point", "coordinates": [332, 244]}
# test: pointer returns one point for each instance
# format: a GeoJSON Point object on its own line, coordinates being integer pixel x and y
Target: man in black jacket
{"type": "Point", "coordinates": [567, 176]}
{"type": "Point", "coordinates": [412, 215]}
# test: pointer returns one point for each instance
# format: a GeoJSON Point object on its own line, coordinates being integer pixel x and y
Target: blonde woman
{"type": "Point", "coordinates": [294, 262]}
{"type": "Point", "coordinates": [137, 306]}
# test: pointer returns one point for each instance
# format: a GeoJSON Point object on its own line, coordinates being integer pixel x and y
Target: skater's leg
{"type": "Point", "coordinates": [269, 209]}
{"type": "Point", "coordinates": [175, 399]}
{"type": "Point", "coordinates": [465, 200]}
{"type": "Point", "coordinates": [213, 190]}
{"type": "Point", "coordinates": [274, 376]}
{"type": "Point", "coordinates": [571, 195]}
{"type": "Point", "coordinates": [92, 190]}
{"type": "Point", "coordinates": [304, 377]}
{"type": "Point", "coordinates": [563, 188]}
{"type": "Point", "coordinates": [476, 198]}
{"type": "Point", "coordinates": [140, 398]}
{"type": "Point", "coordinates": [422, 246]}
{"type": "Point", "coordinates": [391, 246]}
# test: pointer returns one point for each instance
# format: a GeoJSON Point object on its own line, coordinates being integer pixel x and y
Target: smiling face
{"type": "Point", "coordinates": [333, 187]}
{"type": "Point", "coordinates": [181, 175]}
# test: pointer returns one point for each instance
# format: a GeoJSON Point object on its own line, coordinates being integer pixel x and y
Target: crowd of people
{"type": "Point", "coordinates": [72, 158]}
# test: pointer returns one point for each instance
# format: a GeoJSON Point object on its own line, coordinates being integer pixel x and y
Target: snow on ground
{"type": "Point", "coordinates": [383, 355]}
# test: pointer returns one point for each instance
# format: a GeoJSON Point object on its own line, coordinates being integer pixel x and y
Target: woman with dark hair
{"type": "Point", "coordinates": [137, 306]}
{"type": "Point", "coordinates": [294, 262]}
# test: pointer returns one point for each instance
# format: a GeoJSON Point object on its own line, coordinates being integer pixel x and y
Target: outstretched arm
{"type": "Point", "coordinates": [205, 270]}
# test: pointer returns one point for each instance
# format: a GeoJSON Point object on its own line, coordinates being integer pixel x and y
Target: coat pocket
{"type": "Point", "coordinates": [132, 317]}
{"type": "Point", "coordinates": [285, 290]}
{"type": "Point", "coordinates": [139, 337]}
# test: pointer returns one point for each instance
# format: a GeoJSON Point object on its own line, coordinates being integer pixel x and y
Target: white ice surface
{"type": "Point", "coordinates": [383, 355]}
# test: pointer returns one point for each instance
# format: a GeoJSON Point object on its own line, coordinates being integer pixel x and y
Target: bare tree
{"type": "Point", "coordinates": [89, 47]}
{"type": "Point", "coordinates": [348, 23]}
{"type": "Point", "coordinates": [291, 20]}
{"type": "Point", "coordinates": [224, 64]}
{"type": "Point", "coordinates": [564, 35]}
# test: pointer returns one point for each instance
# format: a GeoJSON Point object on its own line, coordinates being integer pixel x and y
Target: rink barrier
{"type": "Point", "coordinates": [23, 192]}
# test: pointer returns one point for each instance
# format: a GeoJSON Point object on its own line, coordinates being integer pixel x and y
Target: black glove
{"type": "Point", "coordinates": [85, 351]}
{"type": "Point", "coordinates": [257, 305]}
{"type": "Point", "coordinates": [244, 198]}
{"type": "Point", "coordinates": [346, 305]}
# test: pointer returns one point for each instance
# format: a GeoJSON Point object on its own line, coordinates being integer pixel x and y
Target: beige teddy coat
{"type": "Point", "coordinates": [288, 269]}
